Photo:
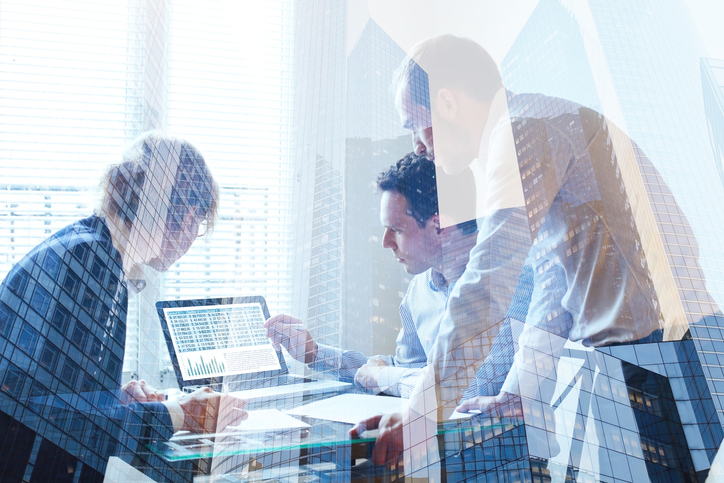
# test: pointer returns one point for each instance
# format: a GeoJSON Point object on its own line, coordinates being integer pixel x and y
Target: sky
{"type": "Point", "coordinates": [492, 23]}
{"type": "Point", "coordinates": [708, 15]}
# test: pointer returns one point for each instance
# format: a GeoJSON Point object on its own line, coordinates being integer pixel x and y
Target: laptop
{"type": "Point", "coordinates": [221, 343]}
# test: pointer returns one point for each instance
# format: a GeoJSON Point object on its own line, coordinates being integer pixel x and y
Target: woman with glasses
{"type": "Point", "coordinates": [63, 314]}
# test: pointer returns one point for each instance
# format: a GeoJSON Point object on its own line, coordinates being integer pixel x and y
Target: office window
{"type": "Point", "coordinates": [13, 382]}
{"type": "Point", "coordinates": [69, 374]}
{"type": "Point", "coordinates": [7, 316]}
{"type": "Point", "coordinates": [40, 300]}
{"type": "Point", "coordinates": [28, 339]}
{"type": "Point", "coordinates": [49, 356]}
{"type": "Point", "coordinates": [80, 336]}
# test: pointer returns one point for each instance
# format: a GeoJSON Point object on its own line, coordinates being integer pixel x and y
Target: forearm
{"type": "Point", "coordinates": [144, 428]}
{"type": "Point", "coordinates": [343, 364]}
{"type": "Point", "coordinates": [537, 355]}
{"type": "Point", "coordinates": [399, 381]}
{"type": "Point", "coordinates": [149, 422]}
{"type": "Point", "coordinates": [492, 374]}
{"type": "Point", "coordinates": [479, 303]}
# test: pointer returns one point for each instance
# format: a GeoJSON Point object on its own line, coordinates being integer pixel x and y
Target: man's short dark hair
{"type": "Point", "coordinates": [414, 178]}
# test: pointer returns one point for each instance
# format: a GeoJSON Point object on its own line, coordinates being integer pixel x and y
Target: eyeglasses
{"type": "Point", "coordinates": [175, 223]}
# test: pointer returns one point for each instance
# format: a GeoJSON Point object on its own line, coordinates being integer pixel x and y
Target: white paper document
{"type": "Point", "coordinates": [267, 420]}
{"type": "Point", "coordinates": [270, 392]}
{"type": "Point", "coordinates": [350, 408]}
{"type": "Point", "coordinates": [118, 471]}
{"type": "Point", "coordinates": [457, 415]}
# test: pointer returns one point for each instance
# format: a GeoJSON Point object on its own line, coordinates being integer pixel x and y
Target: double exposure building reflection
{"type": "Point", "coordinates": [655, 408]}
{"type": "Point", "coordinates": [318, 158]}
{"type": "Point", "coordinates": [621, 82]}
{"type": "Point", "coordinates": [373, 283]}
{"type": "Point", "coordinates": [712, 80]}
{"type": "Point", "coordinates": [346, 286]}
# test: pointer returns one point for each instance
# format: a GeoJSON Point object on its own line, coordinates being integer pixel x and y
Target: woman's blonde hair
{"type": "Point", "coordinates": [193, 185]}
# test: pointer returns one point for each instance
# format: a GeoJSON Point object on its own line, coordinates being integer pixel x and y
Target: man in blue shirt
{"type": "Point", "coordinates": [413, 231]}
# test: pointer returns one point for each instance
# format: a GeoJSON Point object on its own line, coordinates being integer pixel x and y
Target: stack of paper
{"type": "Point", "coordinates": [267, 420]}
{"type": "Point", "coordinates": [350, 408]}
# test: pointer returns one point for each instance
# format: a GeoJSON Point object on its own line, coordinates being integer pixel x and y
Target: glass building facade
{"type": "Point", "coordinates": [531, 295]}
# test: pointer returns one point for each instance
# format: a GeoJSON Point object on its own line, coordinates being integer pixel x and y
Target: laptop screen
{"type": "Point", "coordinates": [214, 338]}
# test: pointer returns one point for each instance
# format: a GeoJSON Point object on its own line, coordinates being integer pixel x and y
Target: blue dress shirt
{"type": "Point", "coordinates": [422, 306]}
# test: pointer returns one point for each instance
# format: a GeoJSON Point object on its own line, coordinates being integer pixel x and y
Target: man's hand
{"type": "Point", "coordinates": [368, 376]}
{"type": "Point", "coordinates": [206, 411]}
{"type": "Point", "coordinates": [504, 405]}
{"type": "Point", "coordinates": [290, 332]}
{"type": "Point", "coordinates": [389, 446]}
{"type": "Point", "coordinates": [140, 391]}
{"type": "Point", "coordinates": [488, 403]}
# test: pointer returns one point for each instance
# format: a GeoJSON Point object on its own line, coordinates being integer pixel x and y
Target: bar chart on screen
{"type": "Point", "coordinates": [203, 364]}
{"type": "Point", "coordinates": [198, 366]}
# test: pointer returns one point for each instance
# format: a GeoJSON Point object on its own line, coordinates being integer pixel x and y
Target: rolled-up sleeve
{"type": "Point", "coordinates": [341, 364]}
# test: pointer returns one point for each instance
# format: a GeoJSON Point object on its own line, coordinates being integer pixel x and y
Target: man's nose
{"type": "Point", "coordinates": [388, 240]}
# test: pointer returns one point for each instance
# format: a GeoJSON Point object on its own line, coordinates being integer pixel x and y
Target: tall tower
{"type": "Point", "coordinates": [94, 95]}
{"type": "Point", "coordinates": [346, 286]}
{"type": "Point", "coordinates": [638, 65]}
{"type": "Point", "coordinates": [247, 252]}
{"type": "Point", "coordinates": [147, 78]}
{"type": "Point", "coordinates": [318, 157]}
{"type": "Point", "coordinates": [373, 284]}
{"type": "Point", "coordinates": [712, 80]}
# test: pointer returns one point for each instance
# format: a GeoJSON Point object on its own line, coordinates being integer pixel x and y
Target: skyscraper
{"type": "Point", "coordinates": [293, 111]}
{"type": "Point", "coordinates": [637, 64]}
{"type": "Point", "coordinates": [244, 134]}
{"type": "Point", "coordinates": [374, 141]}
{"type": "Point", "coordinates": [53, 156]}
{"type": "Point", "coordinates": [318, 156]}
{"type": "Point", "coordinates": [125, 69]}
{"type": "Point", "coordinates": [346, 286]}
{"type": "Point", "coordinates": [712, 80]}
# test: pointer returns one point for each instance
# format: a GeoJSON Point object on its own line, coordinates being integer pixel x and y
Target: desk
{"type": "Point", "coordinates": [322, 452]}
{"type": "Point", "coordinates": [325, 452]}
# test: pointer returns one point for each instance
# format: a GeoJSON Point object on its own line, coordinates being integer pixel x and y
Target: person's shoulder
{"type": "Point", "coordinates": [429, 280]}
{"type": "Point", "coordinates": [557, 120]}
{"type": "Point", "coordinates": [540, 106]}
{"type": "Point", "coordinates": [87, 230]}
{"type": "Point", "coordinates": [80, 238]}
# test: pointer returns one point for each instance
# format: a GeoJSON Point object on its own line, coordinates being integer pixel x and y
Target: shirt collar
{"type": "Point", "coordinates": [498, 112]}
{"type": "Point", "coordinates": [437, 281]}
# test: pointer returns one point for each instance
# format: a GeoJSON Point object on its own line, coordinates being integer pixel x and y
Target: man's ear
{"type": "Point", "coordinates": [446, 104]}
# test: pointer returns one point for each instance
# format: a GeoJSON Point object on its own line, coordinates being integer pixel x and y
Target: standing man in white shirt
{"type": "Point", "coordinates": [554, 201]}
